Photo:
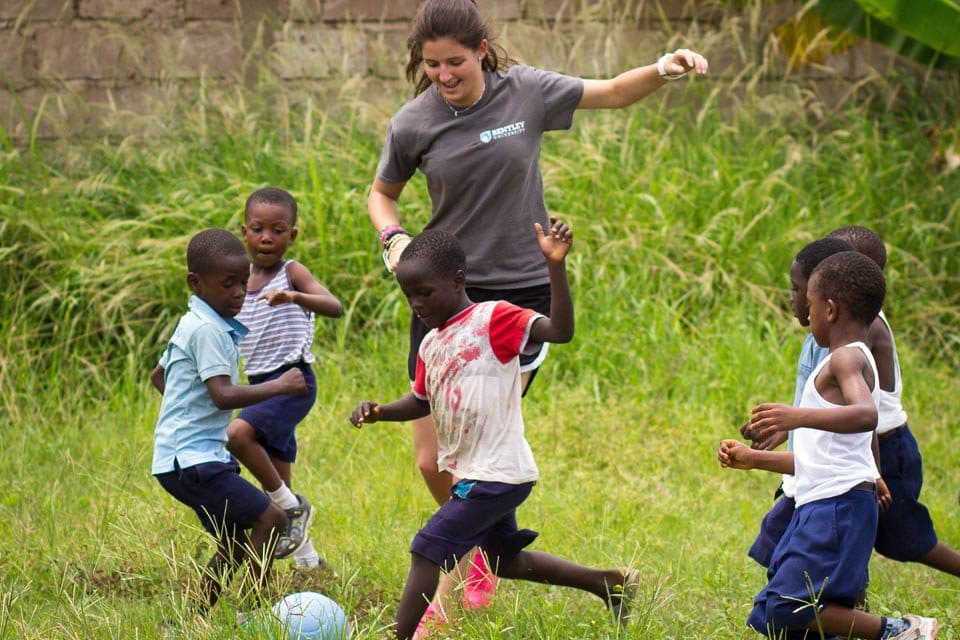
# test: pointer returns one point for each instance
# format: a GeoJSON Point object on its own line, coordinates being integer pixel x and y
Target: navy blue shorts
{"type": "Point", "coordinates": [478, 514]}
{"type": "Point", "coordinates": [275, 419]}
{"type": "Point", "coordinates": [828, 540]}
{"type": "Point", "coordinates": [904, 531]}
{"type": "Point", "coordinates": [771, 530]}
{"type": "Point", "coordinates": [224, 502]}
{"type": "Point", "coordinates": [536, 298]}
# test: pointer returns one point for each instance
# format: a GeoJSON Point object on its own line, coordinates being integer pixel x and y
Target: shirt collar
{"type": "Point", "coordinates": [235, 328]}
{"type": "Point", "coordinates": [458, 316]}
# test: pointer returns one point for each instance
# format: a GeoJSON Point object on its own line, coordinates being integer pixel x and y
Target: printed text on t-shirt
{"type": "Point", "coordinates": [505, 131]}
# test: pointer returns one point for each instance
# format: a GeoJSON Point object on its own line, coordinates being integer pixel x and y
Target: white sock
{"type": "Point", "coordinates": [306, 556]}
{"type": "Point", "coordinates": [283, 497]}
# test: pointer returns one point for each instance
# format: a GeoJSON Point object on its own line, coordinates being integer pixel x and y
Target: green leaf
{"type": "Point", "coordinates": [925, 31]}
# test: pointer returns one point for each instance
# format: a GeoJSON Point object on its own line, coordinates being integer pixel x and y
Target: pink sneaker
{"type": "Point", "coordinates": [432, 619]}
{"type": "Point", "coordinates": [481, 584]}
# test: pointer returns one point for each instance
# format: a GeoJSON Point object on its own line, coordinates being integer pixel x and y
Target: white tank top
{"type": "Point", "coordinates": [829, 464]}
{"type": "Point", "coordinates": [278, 335]}
{"type": "Point", "coordinates": [891, 413]}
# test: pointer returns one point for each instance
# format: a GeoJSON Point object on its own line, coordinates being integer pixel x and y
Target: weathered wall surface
{"type": "Point", "coordinates": [79, 57]}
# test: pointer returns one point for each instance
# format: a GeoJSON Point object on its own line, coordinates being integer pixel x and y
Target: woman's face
{"type": "Point", "coordinates": [455, 69]}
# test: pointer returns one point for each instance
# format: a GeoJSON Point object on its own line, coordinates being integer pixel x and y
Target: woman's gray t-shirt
{"type": "Point", "coordinates": [483, 169]}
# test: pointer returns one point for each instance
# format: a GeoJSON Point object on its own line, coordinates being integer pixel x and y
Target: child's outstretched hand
{"type": "Point", "coordinates": [556, 242]}
{"type": "Point", "coordinates": [293, 381]}
{"type": "Point", "coordinates": [277, 297]}
{"type": "Point", "coordinates": [769, 443]}
{"type": "Point", "coordinates": [733, 454]}
{"type": "Point", "coordinates": [768, 419]}
{"type": "Point", "coordinates": [367, 412]}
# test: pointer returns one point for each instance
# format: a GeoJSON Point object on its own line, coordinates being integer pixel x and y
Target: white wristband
{"type": "Point", "coordinates": [662, 72]}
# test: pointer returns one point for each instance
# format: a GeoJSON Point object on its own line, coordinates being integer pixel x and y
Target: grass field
{"type": "Point", "coordinates": [686, 220]}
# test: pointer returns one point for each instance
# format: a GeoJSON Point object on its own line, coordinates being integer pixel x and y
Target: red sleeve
{"type": "Point", "coordinates": [509, 329]}
{"type": "Point", "coordinates": [420, 380]}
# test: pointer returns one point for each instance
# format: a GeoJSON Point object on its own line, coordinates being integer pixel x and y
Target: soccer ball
{"type": "Point", "coordinates": [312, 616]}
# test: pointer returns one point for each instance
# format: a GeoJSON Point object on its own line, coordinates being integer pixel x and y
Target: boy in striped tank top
{"type": "Point", "coordinates": [281, 302]}
{"type": "Point", "coordinates": [823, 555]}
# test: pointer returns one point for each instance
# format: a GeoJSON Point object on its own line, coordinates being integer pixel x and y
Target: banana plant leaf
{"type": "Point", "coordinates": [925, 31]}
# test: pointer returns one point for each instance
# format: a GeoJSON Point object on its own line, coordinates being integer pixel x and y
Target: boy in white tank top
{"type": "Point", "coordinates": [827, 544]}
{"type": "Point", "coordinates": [905, 530]}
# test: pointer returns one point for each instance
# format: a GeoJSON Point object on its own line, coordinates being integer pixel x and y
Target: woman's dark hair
{"type": "Point", "coordinates": [459, 20]}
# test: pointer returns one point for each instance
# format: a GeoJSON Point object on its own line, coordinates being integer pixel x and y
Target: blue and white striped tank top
{"type": "Point", "coordinates": [278, 335]}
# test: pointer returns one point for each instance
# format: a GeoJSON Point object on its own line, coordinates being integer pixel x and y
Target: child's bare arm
{"type": "Point", "coordinates": [555, 243]}
{"type": "Point", "coordinates": [409, 407]}
{"type": "Point", "coordinates": [858, 415]}
{"type": "Point", "coordinates": [226, 395]}
{"type": "Point", "coordinates": [307, 292]}
{"type": "Point", "coordinates": [734, 454]}
{"type": "Point", "coordinates": [156, 378]}
{"type": "Point", "coordinates": [880, 341]}
{"type": "Point", "coordinates": [884, 497]}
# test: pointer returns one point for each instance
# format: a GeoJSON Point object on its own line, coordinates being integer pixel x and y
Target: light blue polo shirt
{"type": "Point", "coordinates": [191, 429]}
{"type": "Point", "coordinates": [811, 354]}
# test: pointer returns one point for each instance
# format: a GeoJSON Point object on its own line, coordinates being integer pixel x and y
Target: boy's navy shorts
{"type": "Point", "coordinates": [904, 531]}
{"type": "Point", "coordinates": [536, 298]}
{"type": "Point", "coordinates": [275, 419]}
{"type": "Point", "coordinates": [771, 530]}
{"type": "Point", "coordinates": [830, 540]}
{"type": "Point", "coordinates": [478, 514]}
{"type": "Point", "coordinates": [224, 502]}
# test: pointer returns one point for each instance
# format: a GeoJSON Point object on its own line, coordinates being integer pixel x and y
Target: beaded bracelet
{"type": "Point", "coordinates": [388, 247]}
{"type": "Point", "coordinates": [388, 232]}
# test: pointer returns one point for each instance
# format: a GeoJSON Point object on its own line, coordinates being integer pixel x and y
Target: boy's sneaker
{"type": "Point", "coordinates": [300, 518]}
{"type": "Point", "coordinates": [480, 585]}
{"type": "Point", "coordinates": [622, 595]}
{"type": "Point", "coordinates": [918, 628]}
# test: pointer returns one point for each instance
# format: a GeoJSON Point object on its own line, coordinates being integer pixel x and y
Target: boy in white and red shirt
{"type": "Point", "coordinates": [468, 376]}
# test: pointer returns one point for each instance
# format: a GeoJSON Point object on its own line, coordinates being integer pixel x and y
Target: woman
{"type": "Point", "coordinates": [474, 129]}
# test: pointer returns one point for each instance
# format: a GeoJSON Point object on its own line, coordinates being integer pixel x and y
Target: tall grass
{"type": "Point", "coordinates": [687, 210]}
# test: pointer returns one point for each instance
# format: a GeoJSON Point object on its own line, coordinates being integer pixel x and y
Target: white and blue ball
{"type": "Point", "coordinates": [312, 616]}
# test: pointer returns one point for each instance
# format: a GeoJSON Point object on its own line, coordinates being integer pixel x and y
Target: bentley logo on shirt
{"type": "Point", "coordinates": [505, 131]}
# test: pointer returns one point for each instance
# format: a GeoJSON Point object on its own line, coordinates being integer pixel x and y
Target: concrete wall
{"type": "Point", "coordinates": [82, 58]}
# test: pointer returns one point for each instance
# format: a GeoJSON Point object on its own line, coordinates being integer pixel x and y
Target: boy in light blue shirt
{"type": "Point", "coordinates": [197, 376]}
{"type": "Point", "coordinates": [777, 519]}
